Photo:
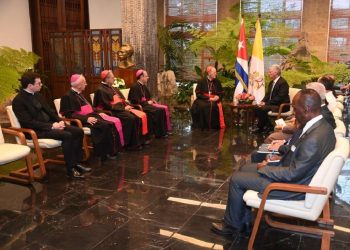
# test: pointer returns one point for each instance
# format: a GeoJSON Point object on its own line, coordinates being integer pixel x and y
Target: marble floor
{"type": "Point", "coordinates": [163, 197]}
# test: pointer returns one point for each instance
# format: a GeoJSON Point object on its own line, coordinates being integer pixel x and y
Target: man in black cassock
{"type": "Point", "coordinates": [206, 110]}
{"type": "Point", "coordinates": [110, 98]}
{"type": "Point", "coordinates": [139, 94]}
{"type": "Point", "coordinates": [104, 135]}
{"type": "Point", "coordinates": [34, 113]}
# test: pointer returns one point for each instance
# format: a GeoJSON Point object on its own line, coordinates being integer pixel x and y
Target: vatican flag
{"type": "Point", "coordinates": [256, 70]}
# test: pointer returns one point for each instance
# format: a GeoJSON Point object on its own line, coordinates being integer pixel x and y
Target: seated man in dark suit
{"type": "Point", "coordinates": [298, 165]}
{"type": "Point", "coordinates": [278, 93]}
{"type": "Point", "coordinates": [34, 113]}
{"type": "Point", "coordinates": [277, 140]}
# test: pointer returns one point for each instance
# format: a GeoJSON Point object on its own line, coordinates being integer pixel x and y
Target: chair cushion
{"type": "Point", "coordinates": [12, 152]}
{"type": "Point", "coordinates": [87, 131]}
{"type": "Point", "coordinates": [45, 143]}
{"type": "Point", "coordinates": [286, 207]}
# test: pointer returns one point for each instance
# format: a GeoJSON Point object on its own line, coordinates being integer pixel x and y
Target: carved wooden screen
{"type": "Point", "coordinates": [86, 52]}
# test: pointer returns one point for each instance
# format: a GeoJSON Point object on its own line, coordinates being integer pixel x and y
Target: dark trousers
{"type": "Point", "coordinates": [237, 214]}
{"type": "Point", "coordinates": [261, 114]}
{"type": "Point", "coordinates": [72, 142]}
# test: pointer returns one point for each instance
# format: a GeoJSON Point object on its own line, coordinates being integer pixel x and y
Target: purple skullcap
{"type": "Point", "coordinates": [139, 72]}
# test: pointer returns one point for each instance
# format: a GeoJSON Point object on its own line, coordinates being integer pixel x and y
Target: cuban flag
{"type": "Point", "coordinates": [241, 72]}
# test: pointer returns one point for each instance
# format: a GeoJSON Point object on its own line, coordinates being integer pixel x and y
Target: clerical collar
{"type": "Point", "coordinates": [140, 82]}
{"type": "Point", "coordinates": [29, 92]}
{"type": "Point", "coordinates": [76, 91]}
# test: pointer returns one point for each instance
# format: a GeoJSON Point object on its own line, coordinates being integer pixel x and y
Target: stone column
{"type": "Point", "coordinates": [315, 23]}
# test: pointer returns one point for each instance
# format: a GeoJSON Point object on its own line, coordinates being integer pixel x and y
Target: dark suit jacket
{"type": "Point", "coordinates": [29, 111]}
{"type": "Point", "coordinates": [306, 154]}
{"type": "Point", "coordinates": [280, 93]}
{"type": "Point", "coordinates": [328, 116]}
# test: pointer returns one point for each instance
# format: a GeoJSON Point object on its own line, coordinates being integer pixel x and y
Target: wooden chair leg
{"type": "Point", "coordinates": [326, 242]}
{"type": "Point", "coordinates": [255, 229]}
{"type": "Point", "coordinates": [86, 148]}
{"type": "Point", "coordinates": [326, 215]}
{"type": "Point", "coordinates": [30, 168]}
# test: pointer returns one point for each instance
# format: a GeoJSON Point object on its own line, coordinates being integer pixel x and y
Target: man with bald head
{"type": "Point", "coordinates": [299, 164]}
{"type": "Point", "coordinates": [206, 110]}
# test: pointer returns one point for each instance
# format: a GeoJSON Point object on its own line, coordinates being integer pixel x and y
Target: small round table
{"type": "Point", "coordinates": [249, 114]}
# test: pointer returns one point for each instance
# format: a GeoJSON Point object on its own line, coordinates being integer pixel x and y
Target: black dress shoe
{"type": "Point", "coordinates": [82, 169]}
{"type": "Point", "coordinates": [223, 229]}
{"type": "Point", "coordinates": [74, 173]}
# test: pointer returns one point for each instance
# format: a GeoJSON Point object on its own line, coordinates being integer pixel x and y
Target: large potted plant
{"type": "Point", "coordinates": [12, 65]}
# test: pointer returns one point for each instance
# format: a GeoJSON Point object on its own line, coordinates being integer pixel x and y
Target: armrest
{"type": "Point", "coordinates": [291, 188]}
{"type": "Point", "coordinates": [280, 110]}
{"type": "Point", "coordinates": [76, 121]}
{"type": "Point", "coordinates": [18, 134]}
{"type": "Point", "coordinates": [31, 132]}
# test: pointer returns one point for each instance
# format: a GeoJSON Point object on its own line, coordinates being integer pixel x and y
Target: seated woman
{"type": "Point", "coordinates": [104, 133]}
{"type": "Point", "coordinates": [134, 122]}
{"type": "Point", "coordinates": [206, 110]}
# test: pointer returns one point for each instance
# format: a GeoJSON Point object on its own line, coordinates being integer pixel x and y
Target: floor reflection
{"type": "Point", "coordinates": [163, 197]}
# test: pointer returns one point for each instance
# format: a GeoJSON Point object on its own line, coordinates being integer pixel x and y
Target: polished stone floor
{"type": "Point", "coordinates": [163, 197]}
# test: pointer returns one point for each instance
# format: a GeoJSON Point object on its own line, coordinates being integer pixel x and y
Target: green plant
{"type": "Point", "coordinates": [13, 63]}
{"type": "Point", "coordinates": [185, 89]}
{"type": "Point", "coordinates": [173, 40]}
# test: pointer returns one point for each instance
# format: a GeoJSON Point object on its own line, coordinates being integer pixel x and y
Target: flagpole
{"type": "Point", "coordinates": [240, 8]}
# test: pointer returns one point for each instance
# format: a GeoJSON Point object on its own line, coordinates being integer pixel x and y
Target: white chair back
{"type": "Point", "coordinates": [125, 93]}
{"type": "Point", "coordinates": [2, 141]}
{"type": "Point", "coordinates": [327, 175]}
{"type": "Point", "coordinates": [92, 97]}
{"type": "Point", "coordinates": [194, 91]}
{"type": "Point", "coordinates": [57, 103]}
{"type": "Point", "coordinates": [292, 93]}
{"type": "Point", "coordinates": [12, 117]}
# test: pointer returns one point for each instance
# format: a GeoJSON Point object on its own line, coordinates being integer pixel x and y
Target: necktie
{"type": "Point", "coordinates": [273, 86]}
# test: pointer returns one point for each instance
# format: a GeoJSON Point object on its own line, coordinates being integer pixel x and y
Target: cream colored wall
{"type": "Point", "coordinates": [105, 14]}
{"type": "Point", "coordinates": [15, 30]}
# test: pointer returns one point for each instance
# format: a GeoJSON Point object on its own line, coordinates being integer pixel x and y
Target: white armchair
{"type": "Point", "coordinates": [10, 152]}
{"type": "Point", "coordinates": [280, 114]}
{"type": "Point", "coordinates": [39, 145]}
{"type": "Point", "coordinates": [194, 95]}
{"type": "Point", "coordinates": [316, 198]}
